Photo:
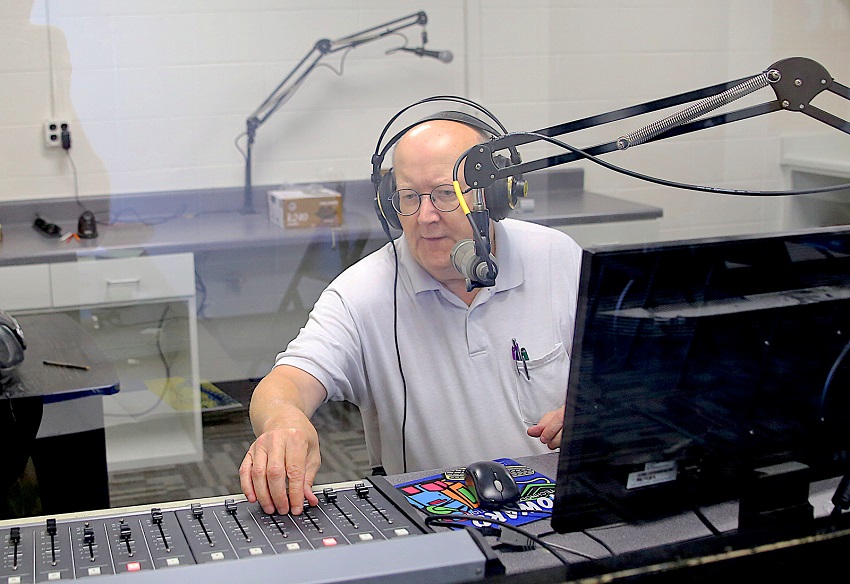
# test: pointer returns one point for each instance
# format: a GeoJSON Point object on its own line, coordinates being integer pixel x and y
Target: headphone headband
{"type": "Point", "coordinates": [380, 153]}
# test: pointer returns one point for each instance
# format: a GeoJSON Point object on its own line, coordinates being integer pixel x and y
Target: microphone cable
{"type": "Point", "coordinates": [828, 381]}
{"type": "Point", "coordinates": [451, 521]}
{"type": "Point", "coordinates": [482, 242]}
{"type": "Point", "coordinates": [398, 359]}
{"type": "Point", "coordinates": [656, 180]}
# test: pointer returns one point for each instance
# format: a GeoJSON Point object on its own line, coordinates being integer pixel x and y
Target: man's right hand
{"type": "Point", "coordinates": [280, 466]}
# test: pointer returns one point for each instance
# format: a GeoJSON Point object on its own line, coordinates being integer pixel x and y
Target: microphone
{"type": "Point", "coordinates": [444, 56]}
{"type": "Point", "coordinates": [473, 268]}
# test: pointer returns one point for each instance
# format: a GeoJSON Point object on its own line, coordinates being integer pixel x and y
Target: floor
{"type": "Point", "coordinates": [227, 436]}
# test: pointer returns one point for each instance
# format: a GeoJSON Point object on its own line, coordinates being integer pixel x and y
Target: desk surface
{"type": "Point", "coordinates": [57, 337]}
{"type": "Point", "coordinates": [621, 538]}
{"type": "Point", "coordinates": [197, 221]}
{"type": "Point", "coordinates": [625, 539]}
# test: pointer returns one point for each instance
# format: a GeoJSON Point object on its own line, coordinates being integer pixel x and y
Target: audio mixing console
{"type": "Point", "coordinates": [360, 532]}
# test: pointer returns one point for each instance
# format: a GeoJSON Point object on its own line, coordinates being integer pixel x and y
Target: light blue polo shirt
{"type": "Point", "coordinates": [466, 400]}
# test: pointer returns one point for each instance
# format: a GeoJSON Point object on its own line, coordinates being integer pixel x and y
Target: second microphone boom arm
{"type": "Point", "coordinates": [293, 80]}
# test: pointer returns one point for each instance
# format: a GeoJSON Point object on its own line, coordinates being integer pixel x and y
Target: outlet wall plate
{"type": "Point", "coordinates": [53, 132]}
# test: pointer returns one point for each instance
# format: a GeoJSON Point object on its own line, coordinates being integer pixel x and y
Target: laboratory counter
{"type": "Point", "coordinates": [215, 220]}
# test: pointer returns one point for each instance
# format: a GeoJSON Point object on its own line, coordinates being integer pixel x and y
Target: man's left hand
{"type": "Point", "coordinates": [549, 428]}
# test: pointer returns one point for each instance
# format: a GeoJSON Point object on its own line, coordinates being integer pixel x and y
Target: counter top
{"type": "Point", "coordinates": [47, 336]}
{"type": "Point", "coordinates": [820, 154]}
{"type": "Point", "coordinates": [211, 220]}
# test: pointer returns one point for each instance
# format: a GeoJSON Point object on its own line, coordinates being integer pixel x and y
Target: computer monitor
{"type": "Point", "coordinates": [695, 363]}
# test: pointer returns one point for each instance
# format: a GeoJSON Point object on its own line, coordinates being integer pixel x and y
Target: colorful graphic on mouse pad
{"type": "Point", "coordinates": [447, 493]}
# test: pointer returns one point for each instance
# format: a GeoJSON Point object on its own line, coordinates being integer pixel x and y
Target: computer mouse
{"type": "Point", "coordinates": [491, 483]}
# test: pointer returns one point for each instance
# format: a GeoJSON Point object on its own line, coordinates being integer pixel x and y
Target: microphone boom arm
{"type": "Point", "coordinates": [795, 81]}
{"type": "Point", "coordinates": [293, 80]}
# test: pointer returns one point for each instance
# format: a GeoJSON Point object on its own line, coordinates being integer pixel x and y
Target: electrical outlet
{"type": "Point", "coordinates": [53, 132]}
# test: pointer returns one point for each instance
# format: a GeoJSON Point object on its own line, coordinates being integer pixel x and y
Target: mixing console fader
{"type": "Point", "coordinates": [359, 532]}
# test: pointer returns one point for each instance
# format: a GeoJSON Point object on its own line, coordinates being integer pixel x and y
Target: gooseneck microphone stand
{"type": "Point", "coordinates": [290, 84]}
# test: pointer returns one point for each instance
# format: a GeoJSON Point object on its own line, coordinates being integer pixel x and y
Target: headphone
{"type": "Point", "coordinates": [500, 197]}
{"type": "Point", "coordinates": [12, 343]}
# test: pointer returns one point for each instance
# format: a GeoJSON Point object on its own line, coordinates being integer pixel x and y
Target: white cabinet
{"type": "Point", "coordinates": [24, 287]}
{"type": "Point", "coordinates": [141, 312]}
{"type": "Point", "coordinates": [125, 280]}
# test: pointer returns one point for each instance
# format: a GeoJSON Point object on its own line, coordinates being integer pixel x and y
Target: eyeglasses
{"type": "Point", "coordinates": [407, 201]}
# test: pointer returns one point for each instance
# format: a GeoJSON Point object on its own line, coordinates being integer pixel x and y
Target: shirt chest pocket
{"type": "Point", "coordinates": [545, 386]}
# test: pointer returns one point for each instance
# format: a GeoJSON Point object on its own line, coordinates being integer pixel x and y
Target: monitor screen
{"type": "Point", "coordinates": [695, 363]}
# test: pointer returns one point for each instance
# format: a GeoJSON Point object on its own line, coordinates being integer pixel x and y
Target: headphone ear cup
{"type": "Point", "coordinates": [381, 218]}
{"type": "Point", "coordinates": [497, 195]}
{"type": "Point", "coordinates": [12, 344]}
{"type": "Point", "coordinates": [384, 200]}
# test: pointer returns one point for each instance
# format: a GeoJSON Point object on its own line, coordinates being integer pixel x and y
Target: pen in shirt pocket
{"type": "Point", "coordinates": [520, 354]}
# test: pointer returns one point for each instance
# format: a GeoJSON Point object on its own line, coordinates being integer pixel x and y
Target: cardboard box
{"type": "Point", "coordinates": [307, 207]}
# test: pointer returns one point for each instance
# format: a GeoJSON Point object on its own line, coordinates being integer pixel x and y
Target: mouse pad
{"type": "Point", "coordinates": [447, 493]}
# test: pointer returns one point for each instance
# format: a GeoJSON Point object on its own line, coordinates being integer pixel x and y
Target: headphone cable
{"type": "Point", "coordinates": [377, 159]}
{"type": "Point", "coordinates": [386, 228]}
{"type": "Point", "coordinates": [398, 359]}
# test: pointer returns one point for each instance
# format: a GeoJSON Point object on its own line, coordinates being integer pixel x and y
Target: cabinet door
{"type": "Point", "coordinates": [106, 281]}
{"type": "Point", "coordinates": [25, 287]}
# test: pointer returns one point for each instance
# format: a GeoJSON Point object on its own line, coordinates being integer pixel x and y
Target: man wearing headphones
{"type": "Point", "coordinates": [443, 376]}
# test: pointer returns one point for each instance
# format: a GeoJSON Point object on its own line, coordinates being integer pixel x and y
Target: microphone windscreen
{"type": "Point", "coordinates": [463, 257]}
